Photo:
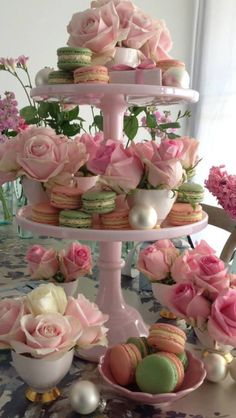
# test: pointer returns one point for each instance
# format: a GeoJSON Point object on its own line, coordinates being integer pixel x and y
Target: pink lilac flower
{"type": "Point", "coordinates": [22, 61]}
{"type": "Point", "coordinates": [10, 119]}
{"type": "Point", "coordinates": [223, 186]}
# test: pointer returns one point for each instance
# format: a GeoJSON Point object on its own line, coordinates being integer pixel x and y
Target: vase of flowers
{"type": "Point", "coordinates": [204, 294]}
{"type": "Point", "coordinates": [62, 267]}
{"type": "Point", "coordinates": [42, 329]}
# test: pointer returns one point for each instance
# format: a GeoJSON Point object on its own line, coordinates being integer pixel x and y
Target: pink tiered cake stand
{"type": "Point", "coordinates": [113, 99]}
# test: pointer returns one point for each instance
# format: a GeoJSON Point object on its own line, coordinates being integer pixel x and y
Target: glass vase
{"type": "Point", "coordinates": [20, 200]}
{"type": "Point", "coordinates": [6, 203]}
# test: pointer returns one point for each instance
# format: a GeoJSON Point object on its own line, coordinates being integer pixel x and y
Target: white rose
{"type": "Point", "coordinates": [47, 298]}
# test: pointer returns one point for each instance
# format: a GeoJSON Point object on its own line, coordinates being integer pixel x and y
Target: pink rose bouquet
{"type": "Point", "coordinates": [59, 266]}
{"type": "Point", "coordinates": [44, 322]}
{"type": "Point", "coordinates": [202, 290]}
{"type": "Point", "coordinates": [111, 23]}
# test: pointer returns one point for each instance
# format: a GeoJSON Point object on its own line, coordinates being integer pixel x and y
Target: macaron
{"type": "Point", "coordinates": [93, 74]}
{"type": "Point", "coordinates": [64, 197]}
{"type": "Point", "coordinates": [60, 77]}
{"type": "Point", "coordinates": [45, 213]}
{"type": "Point", "coordinates": [166, 64]}
{"type": "Point", "coordinates": [184, 359]}
{"type": "Point", "coordinates": [70, 58]}
{"type": "Point", "coordinates": [166, 337]}
{"type": "Point", "coordinates": [98, 202]}
{"type": "Point", "coordinates": [123, 360]}
{"type": "Point", "coordinates": [184, 213]}
{"type": "Point", "coordinates": [75, 219]}
{"type": "Point", "coordinates": [190, 193]}
{"type": "Point", "coordinates": [159, 373]}
{"type": "Point", "coordinates": [141, 344]}
{"type": "Point", "coordinates": [118, 219]}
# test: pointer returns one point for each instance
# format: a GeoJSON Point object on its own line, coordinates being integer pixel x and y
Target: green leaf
{"type": "Point", "coordinates": [70, 115]}
{"type": "Point", "coordinates": [70, 130]}
{"type": "Point", "coordinates": [43, 109]}
{"type": "Point", "coordinates": [28, 113]}
{"type": "Point", "coordinates": [98, 120]}
{"type": "Point", "coordinates": [151, 121]}
{"type": "Point", "coordinates": [164, 126]}
{"type": "Point", "coordinates": [54, 110]}
{"type": "Point", "coordinates": [173, 136]}
{"type": "Point", "coordinates": [130, 126]}
{"type": "Point", "coordinates": [137, 110]}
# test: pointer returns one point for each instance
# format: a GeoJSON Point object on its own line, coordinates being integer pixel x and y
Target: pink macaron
{"type": "Point", "coordinates": [45, 213]}
{"type": "Point", "coordinates": [65, 197]}
{"type": "Point", "coordinates": [123, 360]}
{"type": "Point", "coordinates": [167, 337]}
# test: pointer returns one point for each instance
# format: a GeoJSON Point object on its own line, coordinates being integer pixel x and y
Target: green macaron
{"type": "Point", "coordinates": [60, 77]}
{"type": "Point", "coordinates": [184, 359]}
{"type": "Point", "coordinates": [141, 344]}
{"type": "Point", "coordinates": [190, 193]}
{"type": "Point", "coordinates": [70, 58]}
{"type": "Point", "coordinates": [156, 374]}
{"type": "Point", "coordinates": [75, 219]}
{"type": "Point", "coordinates": [98, 202]}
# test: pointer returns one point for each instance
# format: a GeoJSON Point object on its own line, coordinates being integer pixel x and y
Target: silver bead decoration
{"type": "Point", "coordinates": [41, 77]}
{"type": "Point", "coordinates": [216, 367]}
{"type": "Point", "coordinates": [142, 217]}
{"type": "Point", "coordinates": [84, 397]}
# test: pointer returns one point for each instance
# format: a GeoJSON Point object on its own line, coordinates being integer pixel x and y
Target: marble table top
{"type": "Point", "coordinates": [209, 401]}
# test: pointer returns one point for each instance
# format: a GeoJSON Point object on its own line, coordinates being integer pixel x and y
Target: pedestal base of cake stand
{"type": "Point", "coordinates": [124, 320]}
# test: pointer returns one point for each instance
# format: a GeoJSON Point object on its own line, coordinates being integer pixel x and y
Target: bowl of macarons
{"type": "Point", "coordinates": [155, 370]}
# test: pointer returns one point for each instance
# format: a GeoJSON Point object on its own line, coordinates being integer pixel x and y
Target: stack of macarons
{"type": "Point", "coordinates": [68, 60]}
{"type": "Point", "coordinates": [156, 364]}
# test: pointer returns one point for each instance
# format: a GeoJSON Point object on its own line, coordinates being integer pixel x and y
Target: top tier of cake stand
{"type": "Point", "coordinates": [133, 94]}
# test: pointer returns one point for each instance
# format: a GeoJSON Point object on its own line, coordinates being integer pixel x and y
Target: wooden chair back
{"type": "Point", "coordinates": [219, 218]}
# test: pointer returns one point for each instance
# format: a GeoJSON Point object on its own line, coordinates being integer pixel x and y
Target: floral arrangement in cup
{"type": "Point", "coordinates": [46, 323]}
{"type": "Point", "coordinates": [202, 290]}
{"type": "Point", "coordinates": [223, 186]}
{"type": "Point", "coordinates": [59, 266]}
{"type": "Point", "coordinates": [110, 23]}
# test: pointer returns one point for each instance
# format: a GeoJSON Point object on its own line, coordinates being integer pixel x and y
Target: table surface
{"type": "Point", "coordinates": [209, 401]}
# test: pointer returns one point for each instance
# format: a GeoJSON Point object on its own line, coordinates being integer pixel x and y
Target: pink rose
{"type": "Point", "coordinates": [76, 157]}
{"type": "Point", "coordinates": [97, 29]}
{"type": "Point", "coordinates": [8, 153]}
{"type": "Point", "coordinates": [142, 149]}
{"type": "Point", "coordinates": [42, 263]}
{"type": "Point", "coordinates": [184, 267]}
{"type": "Point", "coordinates": [43, 154]}
{"type": "Point", "coordinates": [11, 311]}
{"type": "Point", "coordinates": [141, 30]}
{"type": "Point", "coordinates": [92, 143]}
{"type": "Point", "coordinates": [124, 9]}
{"type": "Point", "coordinates": [46, 334]}
{"type": "Point", "coordinates": [91, 320]}
{"type": "Point", "coordinates": [100, 160]}
{"type": "Point", "coordinates": [198, 310]}
{"type": "Point", "coordinates": [155, 260]}
{"type": "Point", "coordinates": [158, 46]}
{"type": "Point", "coordinates": [169, 149]}
{"type": "Point", "coordinates": [211, 275]}
{"type": "Point", "coordinates": [5, 177]}
{"type": "Point", "coordinates": [222, 322]}
{"type": "Point", "coordinates": [165, 174]}
{"type": "Point", "coordinates": [190, 149]}
{"type": "Point", "coordinates": [124, 171]}
{"type": "Point", "coordinates": [76, 262]}
{"type": "Point", "coordinates": [203, 249]}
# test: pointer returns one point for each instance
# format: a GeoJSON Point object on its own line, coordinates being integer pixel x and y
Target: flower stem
{"type": "Point", "coordinates": [6, 212]}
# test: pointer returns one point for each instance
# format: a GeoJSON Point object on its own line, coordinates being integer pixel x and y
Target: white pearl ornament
{"type": "Point", "coordinates": [84, 397]}
{"type": "Point", "coordinates": [41, 78]}
{"type": "Point", "coordinates": [142, 217]}
{"type": "Point", "coordinates": [216, 367]}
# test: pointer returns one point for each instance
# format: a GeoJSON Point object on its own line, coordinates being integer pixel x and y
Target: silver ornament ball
{"type": "Point", "coordinates": [41, 77]}
{"type": "Point", "coordinates": [84, 397]}
{"type": "Point", "coordinates": [232, 369]}
{"type": "Point", "coordinates": [142, 217]}
{"type": "Point", "coordinates": [216, 367]}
